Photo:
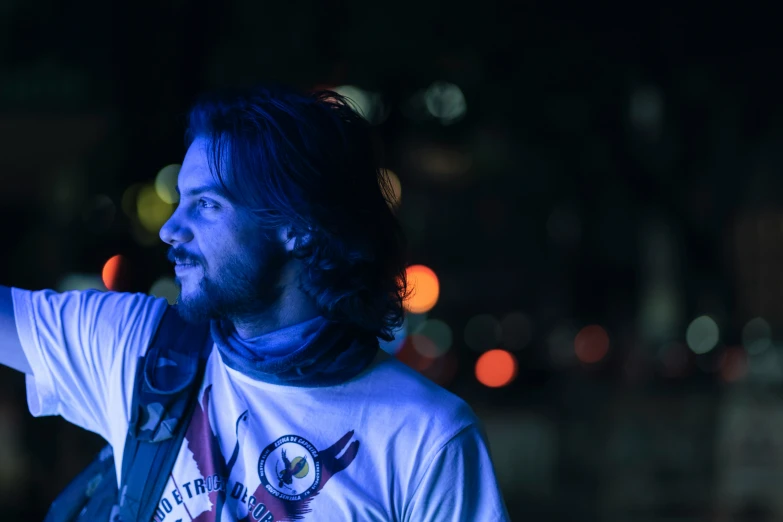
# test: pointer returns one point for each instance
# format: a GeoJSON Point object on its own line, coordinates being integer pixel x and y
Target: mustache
{"type": "Point", "coordinates": [180, 255]}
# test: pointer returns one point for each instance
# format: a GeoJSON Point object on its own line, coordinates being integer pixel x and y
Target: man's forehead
{"type": "Point", "coordinates": [195, 173]}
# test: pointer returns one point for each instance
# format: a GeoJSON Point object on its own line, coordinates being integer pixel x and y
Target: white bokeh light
{"type": "Point", "coordinates": [756, 336]}
{"type": "Point", "coordinates": [702, 334]}
{"type": "Point", "coordinates": [446, 102]}
{"type": "Point", "coordinates": [367, 103]}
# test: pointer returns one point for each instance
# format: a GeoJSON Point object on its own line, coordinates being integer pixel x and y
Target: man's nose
{"type": "Point", "coordinates": [174, 231]}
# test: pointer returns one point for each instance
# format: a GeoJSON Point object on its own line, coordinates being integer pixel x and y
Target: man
{"type": "Point", "coordinates": [283, 240]}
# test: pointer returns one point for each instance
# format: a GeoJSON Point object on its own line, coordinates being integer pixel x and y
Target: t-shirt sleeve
{"type": "Point", "coordinates": [459, 483]}
{"type": "Point", "coordinates": [83, 347]}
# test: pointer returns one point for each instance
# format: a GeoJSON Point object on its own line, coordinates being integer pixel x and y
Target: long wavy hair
{"type": "Point", "coordinates": [307, 161]}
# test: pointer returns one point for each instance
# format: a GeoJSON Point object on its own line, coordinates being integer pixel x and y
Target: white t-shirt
{"type": "Point", "coordinates": [386, 445]}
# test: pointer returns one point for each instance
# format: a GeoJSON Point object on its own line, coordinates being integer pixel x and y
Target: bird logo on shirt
{"type": "Point", "coordinates": [298, 468]}
{"type": "Point", "coordinates": [292, 470]}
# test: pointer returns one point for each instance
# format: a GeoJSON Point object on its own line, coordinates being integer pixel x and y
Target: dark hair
{"type": "Point", "coordinates": [307, 161]}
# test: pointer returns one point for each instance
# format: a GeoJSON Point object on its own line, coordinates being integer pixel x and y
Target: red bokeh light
{"type": "Point", "coordinates": [733, 364]}
{"type": "Point", "coordinates": [115, 273]}
{"type": "Point", "coordinates": [496, 368]}
{"type": "Point", "coordinates": [591, 344]}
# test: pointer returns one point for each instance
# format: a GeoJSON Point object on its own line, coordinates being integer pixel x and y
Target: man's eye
{"type": "Point", "coordinates": [205, 203]}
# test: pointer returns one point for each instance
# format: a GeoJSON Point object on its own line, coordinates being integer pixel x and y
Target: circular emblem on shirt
{"type": "Point", "coordinates": [290, 468]}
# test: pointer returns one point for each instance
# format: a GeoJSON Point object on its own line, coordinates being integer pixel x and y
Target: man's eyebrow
{"type": "Point", "coordinates": [201, 189]}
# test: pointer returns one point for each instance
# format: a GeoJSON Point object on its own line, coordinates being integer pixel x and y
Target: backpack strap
{"type": "Point", "coordinates": [91, 495]}
{"type": "Point", "coordinates": [165, 394]}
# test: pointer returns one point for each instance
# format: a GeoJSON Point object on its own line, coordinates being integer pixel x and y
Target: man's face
{"type": "Point", "coordinates": [225, 265]}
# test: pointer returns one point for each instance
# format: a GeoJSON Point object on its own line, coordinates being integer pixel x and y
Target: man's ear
{"type": "Point", "coordinates": [290, 242]}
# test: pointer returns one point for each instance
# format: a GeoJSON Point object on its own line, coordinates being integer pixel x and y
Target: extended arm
{"type": "Point", "coordinates": [80, 347]}
{"type": "Point", "coordinates": [11, 352]}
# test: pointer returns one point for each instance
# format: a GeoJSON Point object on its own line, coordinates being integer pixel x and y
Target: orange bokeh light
{"type": "Point", "coordinates": [591, 344]}
{"type": "Point", "coordinates": [111, 272]}
{"type": "Point", "coordinates": [496, 368]}
{"type": "Point", "coordinates": [424, 289]}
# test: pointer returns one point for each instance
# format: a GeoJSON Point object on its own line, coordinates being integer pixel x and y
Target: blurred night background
{"type": "Point", "coordinates": [596, 188]}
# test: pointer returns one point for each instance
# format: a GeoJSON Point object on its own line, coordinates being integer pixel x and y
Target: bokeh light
{"type": "Point", "coordinates": [115, 273]}
{"type": "Point", "coordinates": [367, 103]}
{"type": "Point", "coordinates": [408, 354]}
{"type": "Point", "coordinates": [482, 332]}
{"type": "Point", "coordinates": [766, 367]}
{"type": "Point", "coordinates": [446, 102]}
{"type": "Point", "coordinates": [166, 183]}
{"type": "Point", "coordinates": [516, 330]}
{"type": "Point", "coordinates": [496, 368]}
{"type": "Point", "coordinates": [756, 336]}
{"type": "Point", "coordinates": [165, 287]}
{"type": "Point", "coordinates": [702, 334]}
{"type": "Point", "coordinates": [591, 344]}
{"type": "Point", "coordinates": [424, 289]}
{"type": "Point", "coordinates": [152, 211]}
{"type": "Point", "coordinates": [415, 321]}
{"type": "Point", "coordinates": [80, 282]}
{"type": "Point", "coordinates": [439, 338]}
{"type": "Point", "coordinates": [733, 364]}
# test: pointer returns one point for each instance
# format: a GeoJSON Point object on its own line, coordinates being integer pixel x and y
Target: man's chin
{"type": "Point", "coordinates": [193, 310]}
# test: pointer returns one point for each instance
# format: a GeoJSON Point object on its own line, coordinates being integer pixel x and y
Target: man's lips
{"type": "Point", "coordinates": [180, 267]}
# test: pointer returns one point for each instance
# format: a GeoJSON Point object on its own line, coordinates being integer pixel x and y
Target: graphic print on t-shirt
{"type": "Point", "coordinates": [291, 471]}
{"type": "Point", "coordinates": [280, 482]}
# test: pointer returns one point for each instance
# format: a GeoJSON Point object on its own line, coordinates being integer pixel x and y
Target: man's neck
{"type": "Point", "coordinates": [255, 327]}
{"type": "Point", "coordinates": [292, 308]}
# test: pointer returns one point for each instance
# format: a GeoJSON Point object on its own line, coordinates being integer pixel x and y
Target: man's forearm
{"type": "Point", "coordinates": [11, 352]}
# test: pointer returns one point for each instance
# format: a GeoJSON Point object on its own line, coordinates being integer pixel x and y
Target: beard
{"type": "Point", "coordinates": [240, 286]}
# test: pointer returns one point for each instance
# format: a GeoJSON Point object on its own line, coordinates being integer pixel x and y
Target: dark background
{"type": "Point", "coordinates": [616, 164]}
